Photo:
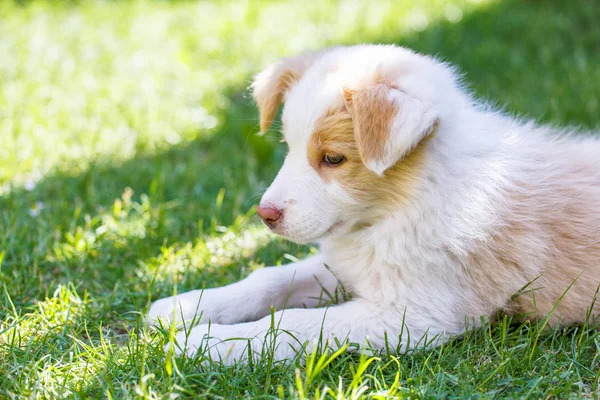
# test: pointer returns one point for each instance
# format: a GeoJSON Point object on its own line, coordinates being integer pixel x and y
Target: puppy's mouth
{"type": "Point", "coordinates": [307, 237]}
{"type": "Point", "coordinates": [335, 227]}
{"type": "Point", "coordinates": [332, 230]}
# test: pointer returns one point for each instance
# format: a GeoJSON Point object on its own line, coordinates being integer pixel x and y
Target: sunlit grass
{"type": "Point", "coordinates": [129, 170]}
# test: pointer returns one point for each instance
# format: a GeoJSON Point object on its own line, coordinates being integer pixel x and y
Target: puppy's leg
{"type": "Point", "coordinates": [363, 324]}
{"type": "Point", "coordinates": [307, 283]}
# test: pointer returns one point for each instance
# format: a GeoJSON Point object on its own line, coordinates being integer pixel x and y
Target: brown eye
{"type": "Point", "coordinates": [333, 159]}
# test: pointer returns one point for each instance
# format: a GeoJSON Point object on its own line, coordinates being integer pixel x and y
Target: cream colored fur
{"type": "Point", "coordinates": [492, 206]}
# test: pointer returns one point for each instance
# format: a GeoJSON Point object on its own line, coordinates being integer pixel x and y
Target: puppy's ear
{"type": "Point", "coordinates": [270, 85]}
{"type": "Point", "coordinates": [388, 124]}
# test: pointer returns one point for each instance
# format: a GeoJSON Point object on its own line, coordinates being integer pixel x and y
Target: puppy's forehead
{"type": "Point", "coordinates": [318, 92]}
{"type": "Point", "coordinates": [320, 89]}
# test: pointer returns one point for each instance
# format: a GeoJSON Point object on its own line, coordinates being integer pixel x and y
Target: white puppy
{"type": "Point", "coordinates": [429, 208]}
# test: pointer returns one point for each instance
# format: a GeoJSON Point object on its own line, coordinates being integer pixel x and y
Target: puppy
{"type": "Point", "coordinates": [431, 209]}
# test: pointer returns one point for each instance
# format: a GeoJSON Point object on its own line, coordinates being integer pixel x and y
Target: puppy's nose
{"type": "Point", "coordinates": [270, 215]}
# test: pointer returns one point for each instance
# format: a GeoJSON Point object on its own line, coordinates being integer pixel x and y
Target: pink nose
{"type": "Point", "coordinates": [270, 215]}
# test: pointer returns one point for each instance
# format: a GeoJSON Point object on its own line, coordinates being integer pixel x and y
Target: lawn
{"type": "Point", "coordinates": [130, 169]}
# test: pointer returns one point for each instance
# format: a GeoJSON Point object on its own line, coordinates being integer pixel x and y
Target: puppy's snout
{"type": "Point", "coordinates": [270, 215]}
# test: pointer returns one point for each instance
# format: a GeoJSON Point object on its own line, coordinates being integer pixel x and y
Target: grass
{"type": "Point", "coordinates": [129, 169]}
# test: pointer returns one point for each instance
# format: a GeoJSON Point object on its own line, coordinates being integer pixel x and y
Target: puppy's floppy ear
{"type": "Point", "coordinates": [388, 124]}
{"type": "Point", "coordinates": [270, 85]}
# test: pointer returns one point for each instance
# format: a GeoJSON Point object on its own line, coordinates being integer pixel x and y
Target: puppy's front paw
{"type": "Point", "coordinates": [197, 306]}
{"type": "Point", "coordinates": [177, 309]}
{"type": "Point", "coordinates": [224, 344]}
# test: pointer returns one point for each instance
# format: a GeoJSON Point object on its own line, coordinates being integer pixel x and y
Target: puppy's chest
{"type": "Point", "coordinates": [385, 266]}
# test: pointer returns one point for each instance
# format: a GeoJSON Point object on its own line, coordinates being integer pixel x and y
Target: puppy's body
{"type": "Point", "coordinates": [487, 224]}
{"type": "Point", "coordinates": [440, 212]}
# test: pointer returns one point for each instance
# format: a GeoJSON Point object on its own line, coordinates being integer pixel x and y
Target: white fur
{"type": "Point", "coordinates": [398, 268]}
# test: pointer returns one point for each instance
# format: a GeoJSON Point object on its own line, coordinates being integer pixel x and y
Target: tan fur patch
{"type": "Point", "coordinates": [549, 242]}
{"type": "Point", "coordinates": [269, 102]}
{"type": "Point", "coordinates": [373, 116]}
{"type": "Point", "coordinates": [334, 134]}
{"type": "Point", "coordinates": [270, 85]}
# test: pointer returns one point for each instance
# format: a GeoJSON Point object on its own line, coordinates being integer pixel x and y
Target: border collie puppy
{"type": "Point", "coordinates": [431, 209]}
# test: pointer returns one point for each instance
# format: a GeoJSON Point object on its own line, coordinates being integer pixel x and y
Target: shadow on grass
{"type": "Point", "coordinates": [94, 231]}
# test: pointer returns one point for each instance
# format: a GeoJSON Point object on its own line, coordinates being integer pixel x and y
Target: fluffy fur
{"type": "Point", "coordinates": [443, 211]}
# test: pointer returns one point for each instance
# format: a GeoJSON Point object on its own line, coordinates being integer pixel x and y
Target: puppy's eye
{"type": "Point", "coordinates": [333, 159]}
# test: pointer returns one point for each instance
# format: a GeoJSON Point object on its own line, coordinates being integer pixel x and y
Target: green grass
{"type": "Point", "coordinates": [129, 168]}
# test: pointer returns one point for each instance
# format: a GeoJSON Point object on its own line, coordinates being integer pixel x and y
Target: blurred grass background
{"type": "Point", "coordinates": [129, 166]}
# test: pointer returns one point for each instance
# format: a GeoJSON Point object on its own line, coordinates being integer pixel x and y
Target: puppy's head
{"type": "Point", "coordinates": [356, 134]}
